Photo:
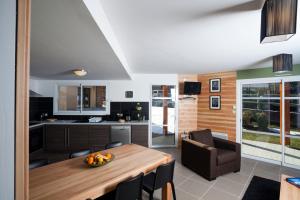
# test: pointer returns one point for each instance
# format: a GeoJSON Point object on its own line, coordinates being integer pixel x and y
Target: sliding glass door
{"type": "Point", "coordinates": [291, 123]}
{"type": "Point", "coordinates": [270, 120]}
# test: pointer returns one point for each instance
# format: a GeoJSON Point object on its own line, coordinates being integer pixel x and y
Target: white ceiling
{"type": "Point", "coordinates": [193, 36]}
{"type": "Point", "coordinates": [64, 36]}
{"type": "Point", "coordinates": [170, 36]}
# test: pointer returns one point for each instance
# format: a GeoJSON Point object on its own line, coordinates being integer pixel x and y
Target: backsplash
{"type": "Point", "coordinates": [128, 108]}
{"type": "Point", "coordinates": [39, 105]}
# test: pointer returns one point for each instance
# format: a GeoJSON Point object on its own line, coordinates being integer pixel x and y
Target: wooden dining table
{"type": "Point", "coordinates": [73, 179]}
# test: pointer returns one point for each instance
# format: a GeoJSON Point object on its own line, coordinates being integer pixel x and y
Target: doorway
{"type": "Point", "coordinates": [163, 113]}
{"type": "Point", "coordinates": [269, 113]}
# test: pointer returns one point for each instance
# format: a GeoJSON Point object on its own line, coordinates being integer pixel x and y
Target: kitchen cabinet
{"type": "Point", "coordinates": [139, 134]}
{"type": "Point", "coordinates": [98, 137]}
{"type": "Point", "coordinates": [77, 137]}
{"type": "Point", "coordinates": [55, 138]}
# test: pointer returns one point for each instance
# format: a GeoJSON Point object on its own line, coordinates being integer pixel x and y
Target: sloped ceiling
{"type": "Point", "coordinates": [64, 36]}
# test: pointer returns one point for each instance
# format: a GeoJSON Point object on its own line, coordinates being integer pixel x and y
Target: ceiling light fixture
{"type": "Point", "coordinates": [80, 72]}
{"type": "Point", "coordinates": [278, 20]}
{"type": "Point", "coordinates": [283, 63]}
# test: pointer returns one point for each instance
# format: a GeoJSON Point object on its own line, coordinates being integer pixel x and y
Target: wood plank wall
{"type": "Point", "coordinates": [223, 120]}
{"type": "Point", "coordinates": [187, 108]}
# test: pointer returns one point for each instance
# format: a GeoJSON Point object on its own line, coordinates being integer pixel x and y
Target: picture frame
{"type": "Point", "coordinates": [215, 102]}
{"type": "Point", "coordinates": [215, 85]}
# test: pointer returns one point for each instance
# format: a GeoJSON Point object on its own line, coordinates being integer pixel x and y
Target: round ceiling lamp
{"type": "Point", "coordinates": [283, 63]}
{"type": "Point", "coordinates": [80, 72]}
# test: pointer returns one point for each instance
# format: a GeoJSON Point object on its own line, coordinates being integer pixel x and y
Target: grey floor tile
{"type": "Point", "coordinates": [272, 168]}
{"type": "Point", "coordinates": [228, 186]}
{"type": "Point", "coordinates": [237, 177]}
{"type": "Point", "coordinates": [290, 171]}
{"type": "Point", "coordinates": [182, 195]}
{"type": "Point", "coordinates": [214, 194]}
{"type": "Point", "coordinates": [265, 173]}
{"type": "Point", "coordinates": [199, 178]}
{"type": "Point", "coordinates": [194, 188]}
{"type": "Point", "coordinates": [178, 179]}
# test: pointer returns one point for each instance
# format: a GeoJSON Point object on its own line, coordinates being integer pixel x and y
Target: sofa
{"type": "Point", "coordinates": [209, 156]}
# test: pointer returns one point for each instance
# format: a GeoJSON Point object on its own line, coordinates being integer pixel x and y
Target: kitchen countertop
{"type": "Point", "coordinates": [73, 122]}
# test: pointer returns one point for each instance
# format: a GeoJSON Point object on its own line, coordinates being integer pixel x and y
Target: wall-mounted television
{"type": "Point", "coordinates": [192, 88]}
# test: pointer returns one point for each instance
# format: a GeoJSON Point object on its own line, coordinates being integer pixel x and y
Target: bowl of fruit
{"type": "Point", "coordinates": [98, 159]}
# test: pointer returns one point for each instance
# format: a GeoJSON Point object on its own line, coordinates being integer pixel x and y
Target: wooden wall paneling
{"type": "Point", "coordinates": [22, 100]}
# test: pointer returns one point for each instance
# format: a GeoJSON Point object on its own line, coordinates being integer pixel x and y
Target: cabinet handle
{"type": "Point", "coordinates": [68, 137]}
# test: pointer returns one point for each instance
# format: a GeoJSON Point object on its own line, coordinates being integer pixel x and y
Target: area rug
{"type": "Point", "coordinates": [262, 189]}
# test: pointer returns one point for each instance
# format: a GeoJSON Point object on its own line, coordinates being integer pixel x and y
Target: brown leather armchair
{"type": "Point", "coordinates": [208, 156]}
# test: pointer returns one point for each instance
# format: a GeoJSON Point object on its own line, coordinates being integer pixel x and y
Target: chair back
{"type": "Point", "coordinates": [37, 163]}
{"type": "Point", "coordinates": [113, 145]}
{"type": "Point", "coordinates": [80, 153]}
{"type": "Point", "coordinates": [130, 189]}
{"type": "Point", "coordinates": [164, 174]}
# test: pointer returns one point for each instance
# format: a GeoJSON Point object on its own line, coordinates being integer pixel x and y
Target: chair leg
{"type": "Point", "coordinates": [151, 195]}
{"type": "Point", "coordinates": [173, 190]}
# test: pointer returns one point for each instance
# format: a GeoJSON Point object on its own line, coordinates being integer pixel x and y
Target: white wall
{"type": "Point", "coordinates": [7, 89]}
{"type": "Point", "coordinates": [140, 85]}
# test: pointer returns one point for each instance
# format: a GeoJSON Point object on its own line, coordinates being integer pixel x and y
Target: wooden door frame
{"type": "Point", "coordinates": [22, 100]}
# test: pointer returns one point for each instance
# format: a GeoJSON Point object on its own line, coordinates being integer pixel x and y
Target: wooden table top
{"type": "Point", "coordinates": [287, 190]}
{"type": "Point", "coordinates": [72, 179]}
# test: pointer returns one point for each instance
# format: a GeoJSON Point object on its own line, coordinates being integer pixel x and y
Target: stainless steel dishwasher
{"type": "Point", "coordinates": [121, 134]}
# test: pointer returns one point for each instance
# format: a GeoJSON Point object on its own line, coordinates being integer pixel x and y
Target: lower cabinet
{"type": "Point", "coordinates": [72, 138]}
{"type": "Point", "coordinates": [55, 138]}
{"type": "Point", "coordinates": [98, 137]}
{"type": "Point", "coordinates": [139, 134]}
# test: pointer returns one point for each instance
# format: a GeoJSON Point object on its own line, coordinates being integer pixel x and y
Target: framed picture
{"type": "Point", "coordinates": [215, 85]}
{"type": "Point", "coordinates": [215, 102]}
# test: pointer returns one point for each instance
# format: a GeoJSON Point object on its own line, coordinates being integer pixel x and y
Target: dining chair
{"type": "Point", "coordinates": [80, 153]}
{"type": "Point", "coordinates": [37, 163]}
{"type": "Point", "coordinates": [130, 189]}
{"type": "Point", "coordinates": [113, 145]}
{"type": "Point", "coordinates": [155, 180]}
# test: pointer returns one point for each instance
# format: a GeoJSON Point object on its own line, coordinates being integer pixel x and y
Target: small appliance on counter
{"type": "Point", "coordinates": [95, 119]}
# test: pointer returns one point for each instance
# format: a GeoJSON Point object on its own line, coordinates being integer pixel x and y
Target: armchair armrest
{"type": "Point", "coordinates": [226, 144]}
{"type": "Point", "coordinates": [199, 157]}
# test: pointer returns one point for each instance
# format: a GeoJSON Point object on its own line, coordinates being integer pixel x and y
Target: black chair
{"type": "Point", "coordinates": [37, 163]}
{"type": "Point", "coordinates": [113, 145]}
{"type": "Point", "coordinates": [127, 190]}
{"type": "Point", "coordinates": [162, 176]}
{"type": "Point", "coordinates": [80, 153]}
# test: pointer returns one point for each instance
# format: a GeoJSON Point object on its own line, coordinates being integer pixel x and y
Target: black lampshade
{"type": "Point", "coordinates": [278, 20]}
{"type": "Point", "coordinates": [283, 63]}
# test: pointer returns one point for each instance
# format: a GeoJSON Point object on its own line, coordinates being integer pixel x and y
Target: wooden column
{"type": "Point", "coordinates": [22, 101]}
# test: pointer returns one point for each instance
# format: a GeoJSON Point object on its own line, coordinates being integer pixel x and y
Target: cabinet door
{"type": "Point", "coordinates": [98, 137]}
{"type": "Point", "coordinates": [56, 138]}
{"type": "Point", "coordinates": [139, 135]}
{"type": "Point", "coordinates": [78, 137]}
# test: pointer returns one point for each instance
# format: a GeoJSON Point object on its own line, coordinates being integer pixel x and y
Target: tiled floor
{"type": "Point", "coordinates": [190, 186]}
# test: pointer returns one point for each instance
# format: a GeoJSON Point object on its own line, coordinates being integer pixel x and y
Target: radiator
{"type": "Point", "coordinates": [223, 136]}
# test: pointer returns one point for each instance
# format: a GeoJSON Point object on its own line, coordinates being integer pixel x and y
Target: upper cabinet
{"type": "Point", "coordinates": [81, 100]}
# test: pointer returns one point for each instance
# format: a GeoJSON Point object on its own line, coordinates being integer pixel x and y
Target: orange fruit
{"type": "Point", "coordinates": [90, 160]}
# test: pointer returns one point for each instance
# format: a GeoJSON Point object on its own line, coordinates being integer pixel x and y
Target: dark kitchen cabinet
{"type": "Point", "coordinates": [139, 134]}
{"type": "Point", "coordinates": [98, 137]}
{"type": "Point", "coordinates": [77, 136]}
{"type": "Point", "coordinates": [36, 138]}
{"type": "Point", "coordinates": [56, 138]}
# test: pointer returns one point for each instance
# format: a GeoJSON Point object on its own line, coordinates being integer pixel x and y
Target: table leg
{"type": "Point", "coordinates": [166, 193]}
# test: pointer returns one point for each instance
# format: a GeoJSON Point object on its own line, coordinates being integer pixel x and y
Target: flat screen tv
{"type": "Point", "coordinates": [192, 88]}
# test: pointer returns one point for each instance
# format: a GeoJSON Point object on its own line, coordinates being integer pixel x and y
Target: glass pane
{"type": "Point", "coordinates": [163, 91]}
{"type": "Point", "coordinates": [261, 128]}
{"type": "Point", "coordinates": [261, 90]}
{"type": "Point", "coordinates": [94, 98]}
{"type": "Point", "coordinates": [292, 131]}
{"type": "Point", "coordinates": [163, 115]}
{"type": "Point", "coordinates": [69, 98]}
{"type": "Point", "coordinates": [292, 89]}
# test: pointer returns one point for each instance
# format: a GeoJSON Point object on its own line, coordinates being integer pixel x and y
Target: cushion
{"type": "Point", "coordinates": [225, 156]}
{"type": "Point", "coordinates": [203, 136]}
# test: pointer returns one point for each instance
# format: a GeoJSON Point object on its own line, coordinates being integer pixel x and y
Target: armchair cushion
{"type": "Point", "coordinates": [225, 156]}
{"type": "Point", "coordinates": [203, 136]}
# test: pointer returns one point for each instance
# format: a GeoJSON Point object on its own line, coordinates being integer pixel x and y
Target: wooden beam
{"type": "Point", "coordinates": [22, 100]}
